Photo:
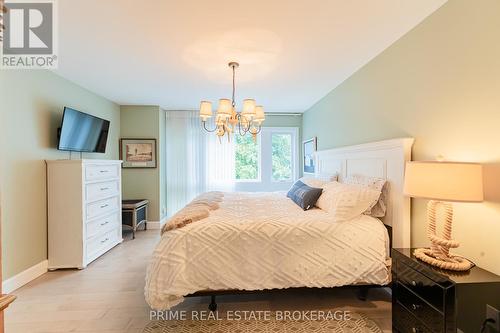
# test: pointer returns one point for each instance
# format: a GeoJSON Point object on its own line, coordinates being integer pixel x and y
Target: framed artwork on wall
{"type": "Point", "coordinates": [138, 153]}
{"type": "Point", "coordinates": [309, 147]}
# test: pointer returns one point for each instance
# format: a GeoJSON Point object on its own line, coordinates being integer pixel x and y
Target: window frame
{"type": "Point", "coordinates": [265, 181]}
{"type": "Point", "coordinates": [293, 132]}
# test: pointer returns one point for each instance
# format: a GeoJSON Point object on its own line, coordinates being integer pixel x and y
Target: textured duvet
{"type": "Point", "coordinates": [258, 241]}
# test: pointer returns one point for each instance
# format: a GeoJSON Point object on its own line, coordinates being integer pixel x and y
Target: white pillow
{"type": "Point", "coordinates": [378, 184]}
{"type": "Point", "coordinates": [318, 182]}
{"type": "Point", "coordinates": [346, 201]}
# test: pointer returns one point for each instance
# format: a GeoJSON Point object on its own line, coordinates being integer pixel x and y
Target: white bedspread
{"type": "Point", "coordinates": [258, 241]}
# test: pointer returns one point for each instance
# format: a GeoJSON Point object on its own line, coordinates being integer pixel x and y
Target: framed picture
{"type": "Point", "coordinates": [138, 153]}
{"type": "Point", "coordinates": [309, 147]}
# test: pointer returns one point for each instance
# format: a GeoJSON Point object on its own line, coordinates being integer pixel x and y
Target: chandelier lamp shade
{"type": "Point", "coordinates": [227, 120]}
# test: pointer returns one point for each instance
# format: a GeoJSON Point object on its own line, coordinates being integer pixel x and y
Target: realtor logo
{"type": "Point", "coordinates": [29, 37]}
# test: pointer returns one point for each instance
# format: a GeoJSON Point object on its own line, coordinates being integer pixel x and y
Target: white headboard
{"type": "Point", "coordinates": [383, 159]}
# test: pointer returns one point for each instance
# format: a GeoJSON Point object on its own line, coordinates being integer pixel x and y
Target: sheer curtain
{"type": "Point", "coordinates": [196, 161]}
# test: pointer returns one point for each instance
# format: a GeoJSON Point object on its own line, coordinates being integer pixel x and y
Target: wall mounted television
{"type": "Point", "coordinates": [82, 132]}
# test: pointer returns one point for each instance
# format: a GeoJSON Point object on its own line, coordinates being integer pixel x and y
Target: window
{"type": "Point", "coordinates": [281, 156]}
{"type": "Point", "coordinates": [270, 164]}
{"type": "Point", "coordinates": [247, 154]}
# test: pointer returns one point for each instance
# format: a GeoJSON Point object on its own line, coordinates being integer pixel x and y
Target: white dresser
{"type": "Point", "coordinates": [84, 210]}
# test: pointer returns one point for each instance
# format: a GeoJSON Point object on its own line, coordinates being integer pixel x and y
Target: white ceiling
{"type": "Point", "coordinates": [175, 53]}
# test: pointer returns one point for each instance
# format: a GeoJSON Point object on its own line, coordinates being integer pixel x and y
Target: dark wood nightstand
{"type": "Point", "coordinates": [427, 299]}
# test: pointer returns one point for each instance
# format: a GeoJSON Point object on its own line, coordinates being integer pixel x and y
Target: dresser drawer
{"type": "Point", "coordinates": [96, 191]}
{"type": "Point", "coordinates": [100, 244]}
{"type": "Point", "coordinates": [405, 322]}
{"type": "Point", "coordinates": [98, 171]}
{"type": "Point", "coordinates": [419, 308]}
{"type": "Point", "coordinates": [102, 225]}
{"type": "Point", "coordinates": [102, 207]}
{"type": "Point", "coordinates": [421, 285]}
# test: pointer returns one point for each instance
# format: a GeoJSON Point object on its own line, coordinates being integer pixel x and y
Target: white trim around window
{"type": "Point", "coordinates": [266, 183]}
{"type": "Point", "coordinates": [294, 132]}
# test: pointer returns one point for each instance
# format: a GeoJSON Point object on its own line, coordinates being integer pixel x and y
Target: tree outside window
{"type": "Point", "coordinates": [247, 158]}
{"type": "Point", "coordinates": [281, 157]}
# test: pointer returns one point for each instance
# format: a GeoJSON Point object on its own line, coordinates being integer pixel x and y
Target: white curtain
{"type": "Point", "coordinates": [196, 161]}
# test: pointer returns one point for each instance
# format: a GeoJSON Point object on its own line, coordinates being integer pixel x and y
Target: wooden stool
{"type": "Point", "coordinates": [135, 213]}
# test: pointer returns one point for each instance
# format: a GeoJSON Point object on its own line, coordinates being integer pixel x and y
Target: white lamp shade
{"type": "Point", "coordinates": [248, 107]}
{"type": "Point", "coordinates": [205, 110]}
{"type": "Point", "coordinates": [445, 181]}
{"type": "Point", "coordinates": [225, 109]}
{"type": "Point", "coordinates": [259, 114]}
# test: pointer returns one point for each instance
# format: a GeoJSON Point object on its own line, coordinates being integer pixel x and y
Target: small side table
{"type": "Point", "coordinates": [135, 213]}
{"type": "Point", "coordinates": [427, 299]}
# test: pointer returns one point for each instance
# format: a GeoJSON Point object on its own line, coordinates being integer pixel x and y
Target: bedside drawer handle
{"type": "Point", "coordinates": [103, 224]}
{"type": "Point", "coordinates": [104, 206]}
{"type": "Point", "coordinates": [413, 283]}
{"type": "Point", "coordinates": [104, 188]}
{"type": "Point", "coordinates": [416, 306]}
{"type": "Point", "coordinates": [415, 330]}
{"type": "Point", "coordinates": [104, 241]}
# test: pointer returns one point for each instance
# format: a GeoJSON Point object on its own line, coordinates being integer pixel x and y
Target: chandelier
{"type": "Point", "coordinates": [228, 120]}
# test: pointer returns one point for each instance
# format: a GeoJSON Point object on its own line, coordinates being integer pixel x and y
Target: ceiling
{"type": "Point", "coordinates": [175, 53]}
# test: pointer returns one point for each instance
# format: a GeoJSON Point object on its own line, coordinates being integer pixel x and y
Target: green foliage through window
{"type": "Point", "coordinates": [247, 158]}
{"type": "Point", "coordinates": [282, 156]}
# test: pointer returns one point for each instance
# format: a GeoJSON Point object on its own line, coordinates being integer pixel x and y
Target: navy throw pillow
{"type": "Point", "coordinates": [304, 196]}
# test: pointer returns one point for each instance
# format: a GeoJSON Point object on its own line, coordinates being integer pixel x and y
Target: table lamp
{"type": "Point", "coordinates": [443, 183]}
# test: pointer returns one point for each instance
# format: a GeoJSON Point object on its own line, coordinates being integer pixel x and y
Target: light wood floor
{"type": "Point", "coordinates": [108, 297]}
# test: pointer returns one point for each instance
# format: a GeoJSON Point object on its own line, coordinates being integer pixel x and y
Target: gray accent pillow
{"type": "Point", "coordinates": [304, 196]}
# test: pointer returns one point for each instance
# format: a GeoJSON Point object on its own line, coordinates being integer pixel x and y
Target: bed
{"type": "Point", "coordinates": [263, 241]}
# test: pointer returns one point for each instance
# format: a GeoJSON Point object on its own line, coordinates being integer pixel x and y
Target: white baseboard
{"type": "Point", "coordinates": [26, 276]}
{"type": "Point", "coordinates": [153, 225]}
{"type": "Point", "coordinates": [156, 224]}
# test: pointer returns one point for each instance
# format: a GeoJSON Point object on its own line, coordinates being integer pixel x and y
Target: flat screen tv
{"type": "Point", "coordinates": [82, 132]}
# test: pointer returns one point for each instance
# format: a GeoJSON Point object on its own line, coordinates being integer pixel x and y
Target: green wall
{"type": "Point", "coordinates": [31, 106]}
{"type": "Point", "coordinates": [148, 122]}
{"type": "Point", "coordinates": [439, 84]}
{"type": "Point", "coordinates": [285, 120]}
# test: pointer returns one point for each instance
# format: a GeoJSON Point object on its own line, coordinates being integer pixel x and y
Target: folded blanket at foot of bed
{"type": "Point", "coordinates": [196, 210]}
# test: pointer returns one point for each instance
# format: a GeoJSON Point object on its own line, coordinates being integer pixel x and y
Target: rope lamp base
{"type": "Point", "coordinates": [453, 263]}
{"type": "Point", "coordinates": [439, 253]}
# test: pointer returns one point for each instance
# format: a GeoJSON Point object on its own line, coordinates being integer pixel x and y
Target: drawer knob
{"type": "Point", "coordinates": [415, 330]}
{"type": "Point", "coordinates": [104, 206]}
{"type": "Point", "coordinates": [104, 241]}
{"type": "Point", "coordinates": [415, 306]}
{"type": "Point", "coordinates": [104, 188]}
{"type": "Point", "coordinates": [103, 171]}
{"type": "Point", "coordinates": [104, 223]}
{"type": "Point", "coordinates": [413, 283]}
